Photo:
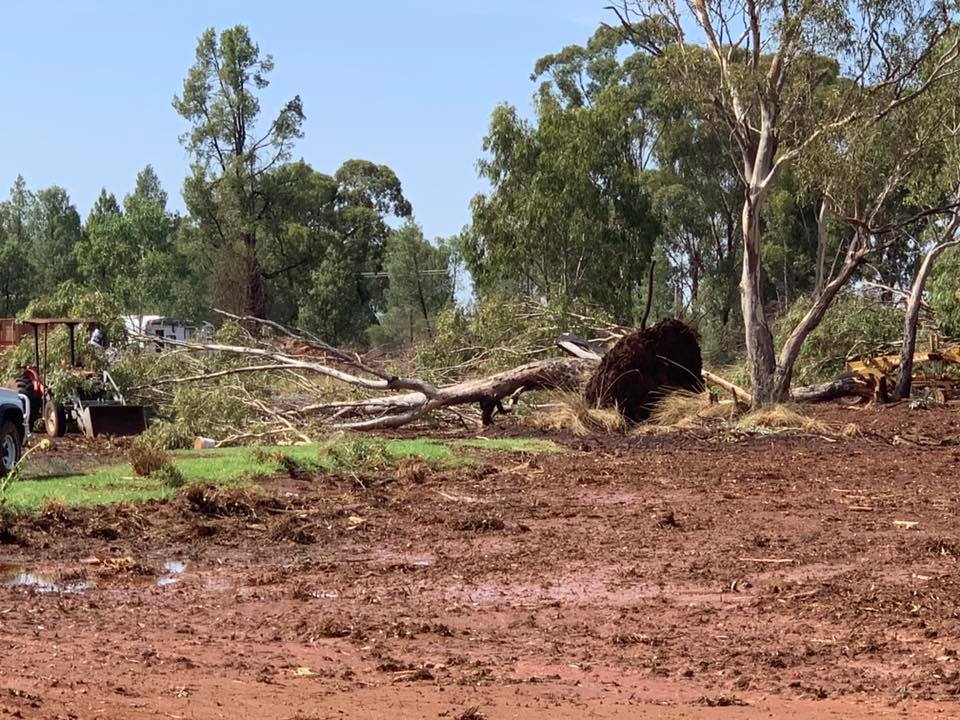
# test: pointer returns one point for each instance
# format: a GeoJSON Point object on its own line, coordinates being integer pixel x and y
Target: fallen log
{"type": "Point", "coordinates": [488, 392]}
{"type": "Point", "coordinates": [851, 384]}
{"type": "Point", "coordinates": [741, 396]}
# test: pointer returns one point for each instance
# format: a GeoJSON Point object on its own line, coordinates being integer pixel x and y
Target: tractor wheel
{"type": "Point", "coordinates": [10, 447]}
{"type": "Point", "coordinates": [54, 418]}
{"type": "Point", "coordinates": [25, 387]}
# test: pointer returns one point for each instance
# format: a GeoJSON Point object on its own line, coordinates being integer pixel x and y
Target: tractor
{"type": "Point", "coordinates": [93, 404]}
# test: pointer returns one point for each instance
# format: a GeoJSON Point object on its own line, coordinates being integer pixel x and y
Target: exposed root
{"type": "Point", "coordinates": [222, 502]}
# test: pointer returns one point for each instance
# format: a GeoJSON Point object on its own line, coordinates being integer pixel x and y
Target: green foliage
{"type": "Point", "coordinates": [853, 325]}
{"type": "Point", "coordinates": [68, 300]}
{"type": "Point", "coordinates": [944, 287]}
{"type": "Point", "coordinates": [326, 244]}
{"type": "Point", "coordinates": [133, 254]}
{"type": "Point", "coordinates": [569, 216]}
{"type": "Point", "coordinates": [495, 334]}
{"type": "Point", "coordinates": [419, 285]}
{"type": "Point", "coordinates": [165, 435]}
{"type": "Point", "coordinates": [277, 239]}
{"type": "Point", "coordinates": [225, 193]}
{"type": "Point", "coordinates": [16, 282]}
{"type": "Point", "coordinates": [206, 410]}
{"type": "Point", "coordinates": [360, 453]}
{"type": "Point", "coordinates": [54, 228]}
{"type": "Point", "coordinates": [169, 476]}
{"type": "Point", "coordinates": [63, 383]}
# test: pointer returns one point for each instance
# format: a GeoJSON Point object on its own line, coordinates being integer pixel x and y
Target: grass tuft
{"type": "Point", "coordinates": [780, 417]}
{"type": "Point", "coordinates": [569, 411]}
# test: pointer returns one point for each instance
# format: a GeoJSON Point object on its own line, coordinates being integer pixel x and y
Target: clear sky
{"type": "Point", "coordinates": [408, 83]}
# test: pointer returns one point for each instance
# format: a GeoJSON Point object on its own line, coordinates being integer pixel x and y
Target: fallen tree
{"type": "Point", "coordinates": [668, 358]}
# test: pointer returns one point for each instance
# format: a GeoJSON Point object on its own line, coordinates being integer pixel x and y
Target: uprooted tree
{"type": "Point", "coordinates": [633, 376]}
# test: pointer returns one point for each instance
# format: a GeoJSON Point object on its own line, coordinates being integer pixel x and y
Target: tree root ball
{"type": "Point", "coordinates": [646, 365]}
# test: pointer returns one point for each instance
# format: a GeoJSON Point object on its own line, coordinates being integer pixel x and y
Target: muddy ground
{"type": "Point", "coordinates": [688, 576]}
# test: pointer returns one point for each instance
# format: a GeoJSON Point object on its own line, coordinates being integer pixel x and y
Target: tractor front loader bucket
{"type": "Point", "coordinates": [112, 419]}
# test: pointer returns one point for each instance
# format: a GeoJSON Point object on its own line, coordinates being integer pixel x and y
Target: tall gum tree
{"type": "Point", "coordinates": [755, 67]}
{"type": "Point", "coordinates": [231, 155]}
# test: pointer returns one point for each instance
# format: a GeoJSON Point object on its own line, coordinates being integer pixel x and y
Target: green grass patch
{"type": "Point", "coordinates": [82, 485]}
{"type": "Point", "coordinates": [106, 486]}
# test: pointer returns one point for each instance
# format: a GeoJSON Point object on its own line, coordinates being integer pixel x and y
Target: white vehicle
{"type": "Point", "coordinates": [14, 427]}
{"type": "Point", "coordinates": [166, 328]}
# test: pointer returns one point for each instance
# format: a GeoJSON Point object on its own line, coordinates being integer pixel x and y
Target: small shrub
{"type": "Point", "coordinates": [212, 501]}
{"type": "Point", "coordinates": [170, 476]}
{"type": "Point", "coordinates": [358, 454]}
{"type": "Point", "coordinates": [780, 417]}
{"type": "Point", "coordinates": [293, 467]}
{"type": "Point", "coordinates": [147, 460]}
{"type": "Point", "coordinates": [54, 507]}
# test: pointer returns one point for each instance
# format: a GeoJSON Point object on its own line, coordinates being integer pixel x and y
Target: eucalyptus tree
{"type": "Point", "coordinates": [759, 69]}
{"type": "Point", "coordinates": [419, 282]}
{"type": "Point", "coordinates": [130, 251]}
{"type": "Point", "coordinates": [16, 283]}
{"type": "Point", "coordinates": [568, 218]}
{"type": "Point", "coordinates": [232, 153]}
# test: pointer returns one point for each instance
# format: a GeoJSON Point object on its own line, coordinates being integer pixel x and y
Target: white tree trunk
{"type": "Point", "coordinates": [822, 238]}
{"type": "Point", "coordinates": [914, 301]}
{"type": "Point", "coordinates": [759, 339]}
{"type": "Point", "coordinates": [813, 317]}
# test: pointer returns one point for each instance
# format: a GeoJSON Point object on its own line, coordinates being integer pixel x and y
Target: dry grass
{"type": "Point", "coordinates": [676, 412]}
{"type": "Point", "coordinates": [851, 430]}
{"type": "Point", "coordinates": [684, 410]}
{"type": "Point", "coordinates": [780, 417]}
{"type": "Point", "coordinates": [569, 411]}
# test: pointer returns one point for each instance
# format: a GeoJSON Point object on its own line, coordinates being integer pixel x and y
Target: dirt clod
{"type": "Point", "coordinates": [479, 524]}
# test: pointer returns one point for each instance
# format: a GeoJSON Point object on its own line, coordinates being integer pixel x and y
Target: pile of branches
{"type": "Point", "coordinates": [292, 382]}
{"type": "Point", "coordinates": [270, 382]}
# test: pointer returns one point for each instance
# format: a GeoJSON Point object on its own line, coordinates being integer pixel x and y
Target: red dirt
{"type": "Point", "coordinates": [627, 577]}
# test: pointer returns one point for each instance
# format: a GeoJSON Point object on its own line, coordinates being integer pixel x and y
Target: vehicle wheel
{"type": "Point", "coordinates": [54, 418]}
{"type": "Point", "coordinates": [10, 447]}
{"type": "Point", "coordinates": [25, 387]}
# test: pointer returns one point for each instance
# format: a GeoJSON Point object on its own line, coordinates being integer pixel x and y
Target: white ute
{"type": "Point", "coordinates": [14, 427]}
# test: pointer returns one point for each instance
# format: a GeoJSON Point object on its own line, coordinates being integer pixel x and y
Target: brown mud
{"type": "Point", "coordinates": [689, 576]}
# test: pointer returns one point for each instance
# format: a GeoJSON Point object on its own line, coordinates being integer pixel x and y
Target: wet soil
{"type": "Point", "coordinates": [689, 576]}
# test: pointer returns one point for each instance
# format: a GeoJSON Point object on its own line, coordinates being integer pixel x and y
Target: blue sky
{"type": "Point", "coordinates": [408, 83]}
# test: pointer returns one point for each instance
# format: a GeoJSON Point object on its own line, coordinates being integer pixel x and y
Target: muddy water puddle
{"type": "Point", "coordinates": [14, 576]}
{"type": "Point", "coordinates": [587, 592]}
{"type": "Point", "coordinates": [70, 580]}
{"type": "Point", "coordinates": [172, 570]}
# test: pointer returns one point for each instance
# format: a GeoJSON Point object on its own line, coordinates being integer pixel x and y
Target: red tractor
{"type": "Point", "coordinates": [95, 408]}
